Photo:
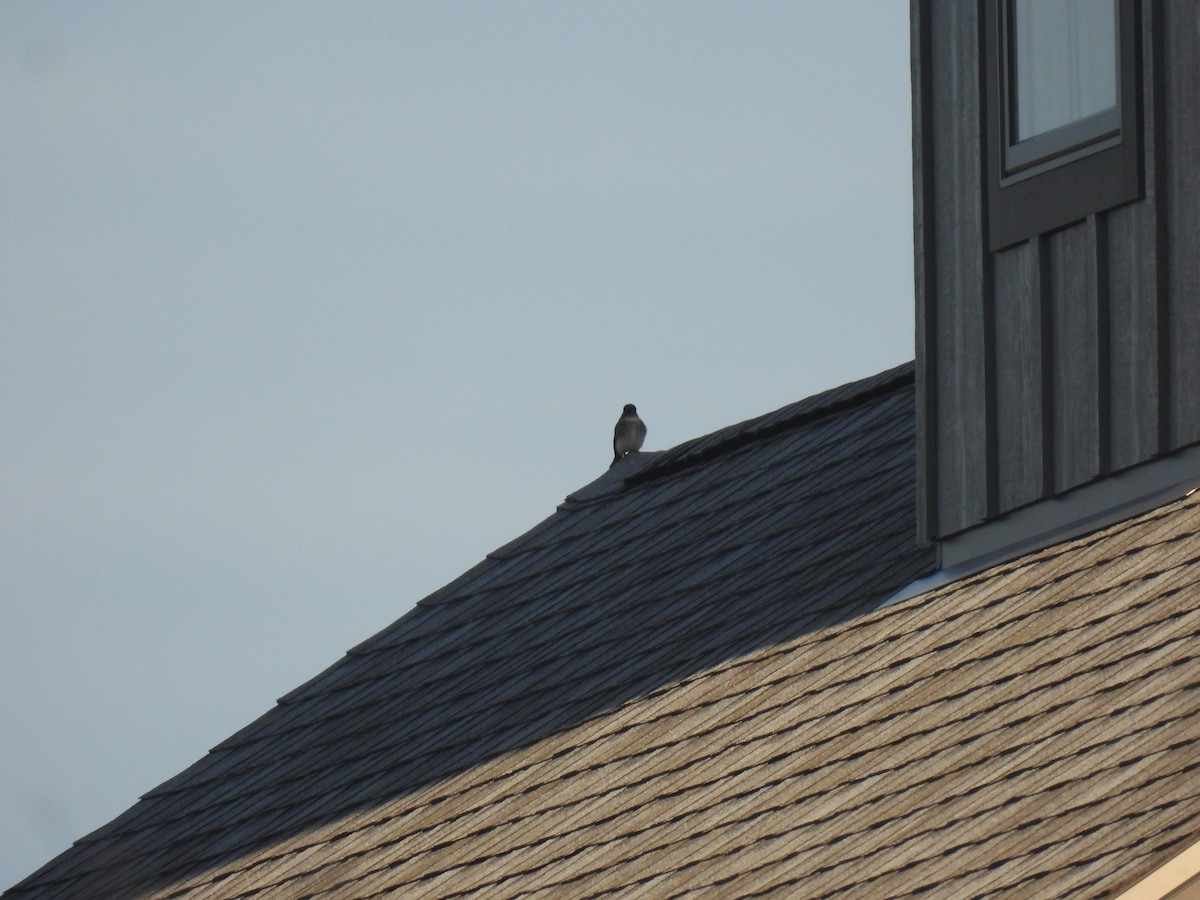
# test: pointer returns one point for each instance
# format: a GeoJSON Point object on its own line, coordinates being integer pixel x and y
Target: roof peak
{"type": "Point", "coordinates": [644, 466]}
{"type": "Point", "coordinates": [733, 437]}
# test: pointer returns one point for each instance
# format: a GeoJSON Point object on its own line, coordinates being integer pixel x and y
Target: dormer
{"type": "Point", "coordinates": [1057, 247]}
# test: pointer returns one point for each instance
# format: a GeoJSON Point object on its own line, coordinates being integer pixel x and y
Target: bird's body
{"type": "Point", "coordinates": [629, 433]}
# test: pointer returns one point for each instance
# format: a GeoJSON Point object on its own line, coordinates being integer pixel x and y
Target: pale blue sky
{"type": "Point", "coordinates": [306, 307]}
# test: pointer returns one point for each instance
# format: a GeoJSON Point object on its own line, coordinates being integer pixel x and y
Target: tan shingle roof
{"type": "Point", "coordinates": [1033, 730]}
{"type": "Point", "coordinates": [1029, 731]}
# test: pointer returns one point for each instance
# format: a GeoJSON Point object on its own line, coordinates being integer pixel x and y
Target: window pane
{"type": "Point", "coordinates": [1066, 62]}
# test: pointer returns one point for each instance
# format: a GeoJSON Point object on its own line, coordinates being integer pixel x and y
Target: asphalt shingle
{"type": "Point", "coordinates": [682, 682]}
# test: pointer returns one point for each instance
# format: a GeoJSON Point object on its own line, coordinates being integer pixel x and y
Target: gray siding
{"type": "Point", "coordinates": [1074, 352]}
{"type": "Point", "coordinates": [960, 332]}
{"type": "Point", "coordinates": [1133, 329]}
{"type": "Point", "coordinates": [1057, 361]}
{"type": "Point", "coordinates": [1019, 335]}
{"type": "Point", "coordinates": [1181, 159]}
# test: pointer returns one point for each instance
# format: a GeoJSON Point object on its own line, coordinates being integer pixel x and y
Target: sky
{"type": "Point", "coordinates": [306, 307]}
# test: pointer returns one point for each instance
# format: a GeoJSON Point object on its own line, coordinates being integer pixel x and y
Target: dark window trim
{"type": "Point", "coordinates": [1069, 173]}
{"type": "Point", "coordinates": [1052, 148]}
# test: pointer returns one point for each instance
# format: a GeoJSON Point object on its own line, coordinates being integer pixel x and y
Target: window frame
{"type": "Point", "coordinates": [1061, 176]}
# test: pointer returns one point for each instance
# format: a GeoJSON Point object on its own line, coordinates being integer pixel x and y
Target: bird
{"type": "Point", "coordinates": [629, 433]}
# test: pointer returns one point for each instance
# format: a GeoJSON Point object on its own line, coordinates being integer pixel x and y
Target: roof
{"type": "Point", "coordinates": [683, 681]}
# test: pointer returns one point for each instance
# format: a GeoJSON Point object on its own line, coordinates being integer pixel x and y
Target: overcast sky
{"type": "Point", "coordinates": [306, 307]}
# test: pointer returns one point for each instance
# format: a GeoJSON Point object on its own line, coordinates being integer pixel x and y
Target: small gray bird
{"type": "Point", "coordinates": [629, 433]}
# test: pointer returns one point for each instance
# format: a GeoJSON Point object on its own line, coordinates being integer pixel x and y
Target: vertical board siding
{"type": "Point", "coordinates": [1054, 362]}
{"type": "Point", "coordinates": [1133, 328]}
{"type": "Point", "coordinates": [1098, 247]}
{"type": "Point", "coordinates": [1074, 357]}
{"type": "Point", "coordinates": [1181, 101]}
{"type": "Point", "coordinates": [961, 421]}
{"type": "Point", "coordinates": [1136, 270]}
{"type": "Point", "coordinates": [1018, 377]}
{"type": "Point", "coordinates": [1154, 104]}
{"type": "Point", "coordinates": [1045, 304]}
{"type": "Point", "coordinates": [924, 272]}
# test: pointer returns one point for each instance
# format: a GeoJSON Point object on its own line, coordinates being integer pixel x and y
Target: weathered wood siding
{"type": "Point", "coordinates": [1181, 199]}
{"type": "Point", "coordinates": [1054, 362]}
{"type": "Point", "coordinates": [957, 331]}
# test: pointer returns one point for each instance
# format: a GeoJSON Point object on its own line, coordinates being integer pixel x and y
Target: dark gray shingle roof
{"type": "Point", "coordinates": [668, 566]}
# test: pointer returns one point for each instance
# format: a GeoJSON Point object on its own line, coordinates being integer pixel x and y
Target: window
{"type": "Point", "coordinates": [1062, 122]}
{"type": "Point", "coordinates": [1062, 78]}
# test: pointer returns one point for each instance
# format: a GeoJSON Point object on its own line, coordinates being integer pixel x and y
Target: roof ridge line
{"type": "Point", "coordinates": [811, 409]}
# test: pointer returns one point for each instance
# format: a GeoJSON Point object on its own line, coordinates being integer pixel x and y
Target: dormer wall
{"type": "Point", "coordinates": [1058, 314]}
